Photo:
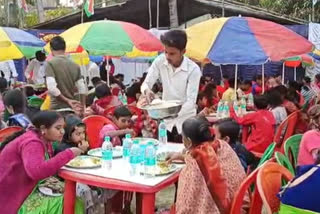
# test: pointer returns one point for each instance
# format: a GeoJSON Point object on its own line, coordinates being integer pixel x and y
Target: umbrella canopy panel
{"type": "Point", "coordinates": [243, 40]}
{"type": "Point", "coordinates": [15, 44]}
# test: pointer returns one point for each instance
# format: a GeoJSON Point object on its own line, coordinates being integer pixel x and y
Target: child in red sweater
{"type": "Point", "coordinates": [262, 124]}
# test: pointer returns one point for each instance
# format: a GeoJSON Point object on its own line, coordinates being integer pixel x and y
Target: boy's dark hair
{"type": "Point", "coordinates": [3, 84]}
{"type": "Point", "coordinates": [58, 44]}
{"type": "Point", "coordinates": [307, 79]}
{"type": "Point", "coordinates": [133, 90]}
{"type": "Point", "coordinates": [225, 76]}
{"type": "Point", "coordinates": [16, 99]}
{"type": "Point", "coordinates": [119, 75]}
{"type": "Point", "coordinates": [122, 111]}
{"type": "Point", "coordinates": [261, 101]}
{"type": "Point", "coordinates": [258, 77]}
{"type": "Point", "coordinates": [294, 85]}
{"type": "Point", "coordinates": [96, 80]}
{"type": "Point", "coordinates": [40, 56]}
{"type": "Point", "coordinates": [29, 91]}
{"type": "Point", "coordinates": [231, 82]}
{"type": "Point", "coordinates": [281, 89]}
{"type": "Point", "coordinates": [175, 38]}
{"type": "Point", "coordinates": [247, 82]}
{"type": "Point", "coordinates": [274, 98]}
{"type": "Point", "coordinates": [229, 128]}
{"type": "Point", "coordinates": [317, 76]}
{"type": "Point", "coordinates": [102, 90]}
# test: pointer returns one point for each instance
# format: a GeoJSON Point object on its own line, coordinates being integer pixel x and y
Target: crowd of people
{"type": "Point", "coordinates": [217, 157]}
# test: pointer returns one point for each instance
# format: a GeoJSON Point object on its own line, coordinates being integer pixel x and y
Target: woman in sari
{"type": "Point", "coordinates": [212, 175]}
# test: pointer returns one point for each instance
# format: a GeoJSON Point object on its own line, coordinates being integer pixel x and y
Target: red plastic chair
{"type": "Point", "coordinates": [269, 182]}
{"type": "Point", "coordinates": [286, 130]}
{"type": "Point", "coordinates": [255, 205]}
{"type": "Point", "coordinates": [6, 132]}
{"type": "Point", "coordinates": [94, 124]}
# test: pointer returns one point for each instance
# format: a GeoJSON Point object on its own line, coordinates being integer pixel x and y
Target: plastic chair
{"type": "Point", "coordinates": [291, 148]}
{"type": "Point", "coordinates": [284, 161]}
{"type": "Point", "coordinates": [6, 132]}
{"type": "Point", "coordinates": [255, 205]}
{"type": "Point", "coordinates": [93, 126]}
{"type": "Point", "coordinates": [268, 154]}
{"type": "Point", "coordinates": [286, 129]}
{"type": "Point", "coordinates": [269, 183]}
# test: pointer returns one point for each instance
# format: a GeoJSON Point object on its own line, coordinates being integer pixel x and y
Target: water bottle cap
{"type": "Point", "coordinates": [107, 138]}
{"type": "Point", "coordinates": [128, 136]}
{"type": "Point", "coordinates": [135, 141]}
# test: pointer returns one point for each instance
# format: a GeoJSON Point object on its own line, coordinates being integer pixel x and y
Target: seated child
{"type": "Point", "coordinates": [75, 136]}
{"type": "Point", "coordinates": [261, 122]}
{"type": "Point", "coordinates": [104, 99]}
{"type": "Point", "coordinates": [121, 121]}
{"type": "Point", "coordinates": [16, 104]}
{"type": "Point", "coordinates": [228, 130]}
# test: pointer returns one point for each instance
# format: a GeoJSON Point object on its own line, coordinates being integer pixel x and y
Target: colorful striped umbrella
{"type": "Point", "coordinates": [15, 44]}
{"type": "Point", "coordinates": [111, 38]}
{"type": "Point", "coordinates": [243, 40]}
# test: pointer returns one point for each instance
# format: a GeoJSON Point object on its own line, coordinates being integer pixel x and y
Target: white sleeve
{"type": "Point", "coordinates": [192, 91]}
{"type": "Point", "coordinates": [12, 68]}
{"type": "Point", "coordinates": [151, 78]}
{"type": "Point", "coordinates": [52, 87]}
{"type": "Point", "coordinates": [81, 86]}
{"type": "Point", "coordinates": [29, 69]}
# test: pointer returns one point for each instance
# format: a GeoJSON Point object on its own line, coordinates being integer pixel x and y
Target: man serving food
{"type": "Point", "coordinates": [180, 79]}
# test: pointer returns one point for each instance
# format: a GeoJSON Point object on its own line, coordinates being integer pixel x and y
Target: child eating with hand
{"type": "Point", "coordinates": [119, 128]}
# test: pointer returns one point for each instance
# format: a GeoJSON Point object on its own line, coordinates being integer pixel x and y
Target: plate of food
{"type": "Point", "coordinates": [117, 152]}
{"type": "Point", "coordinates": [143, 140]}
{"type": "Point", "coordinates": [164, 168]}
{"type": "Point", "coordinates": [51, 187]}
{"type": "Point", "coordinates": [84, 162]}
{"type": "Point", "coordinates": [163, 156]}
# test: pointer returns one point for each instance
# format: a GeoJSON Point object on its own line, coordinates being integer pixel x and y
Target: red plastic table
{"type": "Point", "coordinates": [145, 195]}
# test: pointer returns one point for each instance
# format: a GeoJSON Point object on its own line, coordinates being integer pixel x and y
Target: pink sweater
{"type": "Point", "coordinates": [22, 165]}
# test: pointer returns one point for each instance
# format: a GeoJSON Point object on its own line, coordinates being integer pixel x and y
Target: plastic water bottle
{"type": "Point", "coordinates": [162, 133]}
{"type": "Point", "coordinates": [126, 146]}
{"type": "Point", "coordinates": [250, 100]}
{"type": "Point", "coordinates": [220, 109]}
{"type": "Point", "coordinates": [150, 161]}
{"type": "Point", "coordinates": [243, 106]}
{"type": "Point", "coordinates": [107, 154]}
{"type": "Point", "coordinates": [134, 158]}
{"type": "Point", "coordinates": [226, 112]}
{"type": "Point", "coordinates": [124, 99]}
{"type": "Point", "coordinates": [236, 107]}
{"type": "Point", "coordinates": [120, 97]}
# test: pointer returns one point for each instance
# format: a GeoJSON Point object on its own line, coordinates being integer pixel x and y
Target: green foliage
{"type": "Point", "coordinates": [294, 8]}
{"type": "Point", "coordinates": [32, 18]}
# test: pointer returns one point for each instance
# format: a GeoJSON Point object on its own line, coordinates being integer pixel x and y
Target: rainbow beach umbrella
{"type": "Point", "coordinates": [111, 38]}
{"type": "Point", "coordinates": [15, 44]}
{"type": "Point", "coordinates": [243, 40]}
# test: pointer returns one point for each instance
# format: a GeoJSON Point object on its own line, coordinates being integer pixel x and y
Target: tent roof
{"type": "Point", "coordinates": [136, 11]}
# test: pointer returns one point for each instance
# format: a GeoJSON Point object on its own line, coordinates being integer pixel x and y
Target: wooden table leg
{"type": "Point", "coordinates": [145, 203]}
{"type": "Point", "coordinates": [69, 197]}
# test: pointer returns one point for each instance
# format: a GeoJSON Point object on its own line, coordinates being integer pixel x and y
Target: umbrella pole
{"type": "Point", "coordinates": [236, 81]}
{"type": "Point", "coordinates": [262, 78]}
{"type": "Point", "coordinates": [221, 73]}
{"type": "Point", "coordinates": [295, 73]}
{"type": "Point", "coordinates": [108, 77]}
{"type": "Point", "coordinates": [283, 69]}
